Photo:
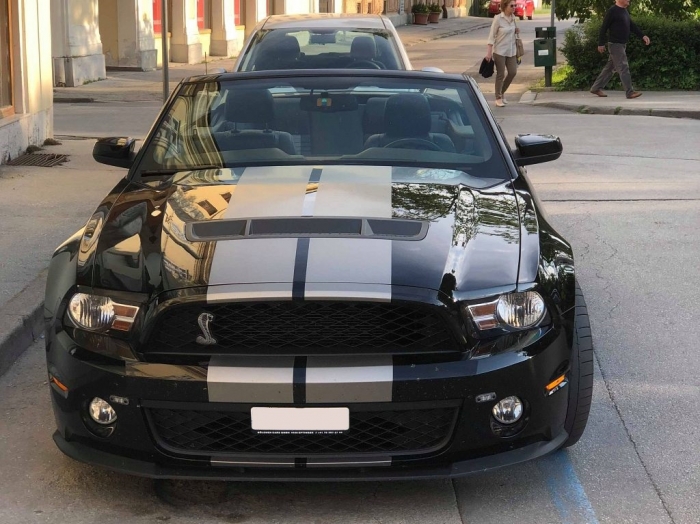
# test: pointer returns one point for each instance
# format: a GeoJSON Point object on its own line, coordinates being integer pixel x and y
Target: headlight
{"type": "Point", "coordinates": [515, 310]}
{"type": "Point", "coordinates": [98, 313]}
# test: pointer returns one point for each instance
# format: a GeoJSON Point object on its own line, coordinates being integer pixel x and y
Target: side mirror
{"type": "Point", "coordinates": [115, 151]}
{"type": "Point", "coordinates": [535, 149]}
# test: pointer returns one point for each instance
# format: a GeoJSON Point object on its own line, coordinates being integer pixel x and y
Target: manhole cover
{"type": "Point", "coordinates": [43, 160]}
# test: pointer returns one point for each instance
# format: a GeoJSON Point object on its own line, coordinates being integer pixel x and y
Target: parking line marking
{"type": "Point", "coordinates": [566, 490]}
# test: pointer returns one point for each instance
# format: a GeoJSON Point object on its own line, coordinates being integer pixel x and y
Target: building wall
{"type": "Point", "coordinates": [32, 121]}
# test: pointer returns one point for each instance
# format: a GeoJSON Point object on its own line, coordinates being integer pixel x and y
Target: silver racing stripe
{"type": "Point", "coordinates": [249, 292]}
{"type": "Point", "coordinates": [351, 268]}
{"type": "Point", "coordinates": [328, 379]}
{"type": "Point", "coordinates": [354, 191]}
{"type": "Point", "coordinates": [261, 192]}
{"type": "Point", "coordinates": [358, 266]}
{"type": "Point", "coordinates": [251, 379]}
{"type": "Point", "coordinates": [349, 379]}
{"type": "Point", "coordinates": [272, 191]}
{"type": "Point", "coordinates": [348, 291]}
{"type": "Point", "coordinates": [254, 261]}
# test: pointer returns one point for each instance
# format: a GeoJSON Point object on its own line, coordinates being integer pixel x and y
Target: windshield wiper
{"type": "Point", "coordinates": [166, 172]}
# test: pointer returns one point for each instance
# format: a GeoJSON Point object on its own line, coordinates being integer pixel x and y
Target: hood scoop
{"type": "Point", "coordinates": [309, 227]}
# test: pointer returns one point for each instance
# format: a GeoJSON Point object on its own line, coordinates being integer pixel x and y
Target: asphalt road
{"type": "Point", "coordinates": [626, 194]}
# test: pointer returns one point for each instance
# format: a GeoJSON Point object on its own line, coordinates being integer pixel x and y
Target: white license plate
{"type": "Point", "coordinates": [300, 419]}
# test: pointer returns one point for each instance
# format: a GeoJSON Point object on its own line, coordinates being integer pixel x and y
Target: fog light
{"type": "Point", "coordinates": [101, 412]}
{"type": "Point", "coordinates": [508, 411]}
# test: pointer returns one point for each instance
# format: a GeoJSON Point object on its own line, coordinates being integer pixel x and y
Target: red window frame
{"type": "Point", "coordinates": [8, 109]}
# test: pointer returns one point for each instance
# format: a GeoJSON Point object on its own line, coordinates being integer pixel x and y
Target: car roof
{"type": "Point", "coordinates": [301, 73]}
{"type": "Point", "coordinates": [325, 20]}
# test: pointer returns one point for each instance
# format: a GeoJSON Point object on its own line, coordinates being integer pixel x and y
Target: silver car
{"type": "Point", "coordinates": [323, 41]}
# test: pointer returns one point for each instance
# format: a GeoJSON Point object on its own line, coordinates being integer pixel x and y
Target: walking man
{"type": "Point", "coordinates": [617, 20]}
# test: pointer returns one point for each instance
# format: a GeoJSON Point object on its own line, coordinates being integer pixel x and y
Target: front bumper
{"type": "Point", "coordinates": [144, 468]}
{"type": "Point", "coordinates": [139, 446]}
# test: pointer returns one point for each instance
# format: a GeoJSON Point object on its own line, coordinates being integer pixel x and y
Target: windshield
{"type": "Point", "coordinates": [321, 48]}
{"type": "Point", "coordinates": [351, 120]}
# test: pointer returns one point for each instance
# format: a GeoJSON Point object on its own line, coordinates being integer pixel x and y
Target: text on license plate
{"type": "Point", "coordinates": [300, 419]}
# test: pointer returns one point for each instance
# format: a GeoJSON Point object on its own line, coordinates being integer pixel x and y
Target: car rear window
{"type": "Point", "coordinates": [322, 48]}
{"type": "Point", "coordinates": [330, 119]}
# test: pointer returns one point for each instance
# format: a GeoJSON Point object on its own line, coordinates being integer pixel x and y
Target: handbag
{"type": "Point", "coordinates": [486, 68]}
{"type": "Point", "coordinates": [519, 47]}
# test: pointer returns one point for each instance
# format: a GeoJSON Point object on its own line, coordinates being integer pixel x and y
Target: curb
{"type": "Point", "coordinates": [530, 97]}
{"type": "Point", "coordinates": [73, 100]}
{"type": "Point", "coordinates": [22, 321]}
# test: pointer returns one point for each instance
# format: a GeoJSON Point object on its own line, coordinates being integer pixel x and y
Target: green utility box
{"type": "Point", "coordinates": [545, 32]}
{"type": "Point", "coordinates": [545, 52]}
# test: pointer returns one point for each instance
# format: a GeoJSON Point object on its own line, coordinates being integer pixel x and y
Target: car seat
{"type": "Point", "coordinates": [281, 52]}
{"type": "Point", "coordinates": [252, 108]}
{"type": "Point", "coordinates": [364, 49]}
{"type": "Point", "coordinates": [408, 116]}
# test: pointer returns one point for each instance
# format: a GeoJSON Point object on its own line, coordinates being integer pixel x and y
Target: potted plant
{"type": "Point", "coordinates": [420, 14]}
{"type": "Point", "coordinates": [434, 13]}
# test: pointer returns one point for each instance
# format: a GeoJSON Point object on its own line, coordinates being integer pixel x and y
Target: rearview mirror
{"type": "Point", "coordinates": [535, 149]}
{"type": "Point", "coordinates": [115, 151]}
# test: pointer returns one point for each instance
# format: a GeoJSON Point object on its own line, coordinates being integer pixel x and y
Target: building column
{"type": "Point", "coordinates": [185, 46]}
{"type": "Point", "coordinates": [224, 40]}
{"type": "Point", "coordinates": [75, 41]}
{"type": "Point", "coordinates": [126, 28]}
{"type": "Point", "coordinates": [255, 10]}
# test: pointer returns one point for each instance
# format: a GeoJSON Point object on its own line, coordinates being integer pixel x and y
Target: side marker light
{"type": "Point", "coordinates": [555, 385]}
{"type": "Point", "coordinates": [59, 384]}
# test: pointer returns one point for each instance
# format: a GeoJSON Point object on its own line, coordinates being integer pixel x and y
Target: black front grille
{"type": "Point", "coordinates": [304, 328]}
{"type": "Point", "coordinates": [407, 431]}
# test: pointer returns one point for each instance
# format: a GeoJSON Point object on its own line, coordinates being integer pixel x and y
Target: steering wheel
{"type": "Point", "coordinates": [413, 143]}
{"type": "Point", "coordinates": [363, 64]}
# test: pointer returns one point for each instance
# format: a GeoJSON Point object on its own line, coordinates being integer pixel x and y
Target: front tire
{"type": "Point", "coordinates": [529, 17]}
{"type": "Point", "coordinates": [581, 374]}
{"type": "Point", "coordinates": [521, 17]}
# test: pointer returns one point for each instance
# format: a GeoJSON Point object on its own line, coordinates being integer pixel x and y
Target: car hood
{"type": "Point", "coordinates": [308, 232]}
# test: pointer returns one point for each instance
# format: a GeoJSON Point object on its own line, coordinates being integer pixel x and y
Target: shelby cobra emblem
{"type": "Point", "coordinates": [205, 338]}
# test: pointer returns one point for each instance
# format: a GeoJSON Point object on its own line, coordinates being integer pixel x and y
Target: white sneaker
{"type": "Point", "coordinates": [503, 99]}
{"type": "Point", "coordinates": [499, 102]}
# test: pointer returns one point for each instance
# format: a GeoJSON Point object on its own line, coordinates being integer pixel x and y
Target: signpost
{"type": "Point", "coordinates": [164, 40]}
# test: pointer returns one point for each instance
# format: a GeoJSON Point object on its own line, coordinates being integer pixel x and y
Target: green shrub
{"type": "Point", "coordinates": [420, 8]}
{"type": "Point", "coordinates": [435, 8]}
{"type": "Point", "coordinates": [672, 61]}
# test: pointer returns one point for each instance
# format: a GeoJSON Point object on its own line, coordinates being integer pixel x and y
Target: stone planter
{"type": "Point", "coordinates": [420, 18]}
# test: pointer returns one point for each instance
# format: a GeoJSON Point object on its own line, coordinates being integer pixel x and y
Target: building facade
{"type": "Point", "coordinates": [91, 36]}
{"type": "Point", "coordinates": [26, 88]}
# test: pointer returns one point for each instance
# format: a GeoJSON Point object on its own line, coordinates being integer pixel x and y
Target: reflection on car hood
{"type": "Point", "coordinates": [309, 232]}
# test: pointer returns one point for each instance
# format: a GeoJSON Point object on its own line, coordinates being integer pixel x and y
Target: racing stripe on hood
{"type": "Point", "coordinates": [251, 379]}
{"type": "Point", "coordinates": [351, 268]}
{"type": "Point", "coordinates": [301, 380]}
{"type": "Point", "coordinates": [265, 264]}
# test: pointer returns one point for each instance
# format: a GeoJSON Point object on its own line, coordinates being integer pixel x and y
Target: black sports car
{"type": "Point", "coordinates": [318, 275]}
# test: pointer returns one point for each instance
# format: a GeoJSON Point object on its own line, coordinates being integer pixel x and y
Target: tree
{"type": "Point", "coordinates": [582, 10]}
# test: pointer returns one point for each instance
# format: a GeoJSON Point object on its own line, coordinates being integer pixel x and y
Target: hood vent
{"type": "Point", "coordinates": [311, 227]}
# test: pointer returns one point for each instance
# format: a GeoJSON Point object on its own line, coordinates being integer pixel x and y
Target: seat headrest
{"type": "Point", "coordinates": [407, 115]}
{"type": "Point", "coordinates": [373, 117]}
{"type": "Point", "coordinates": [287, 47]}
{"type": "Point", "coordinates": [250, 107]}
{"type": "Point", "coordinates": [363, 48]}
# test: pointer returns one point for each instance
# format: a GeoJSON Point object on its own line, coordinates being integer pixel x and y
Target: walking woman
{"type": "Point", "coordinates": [501, 48]}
